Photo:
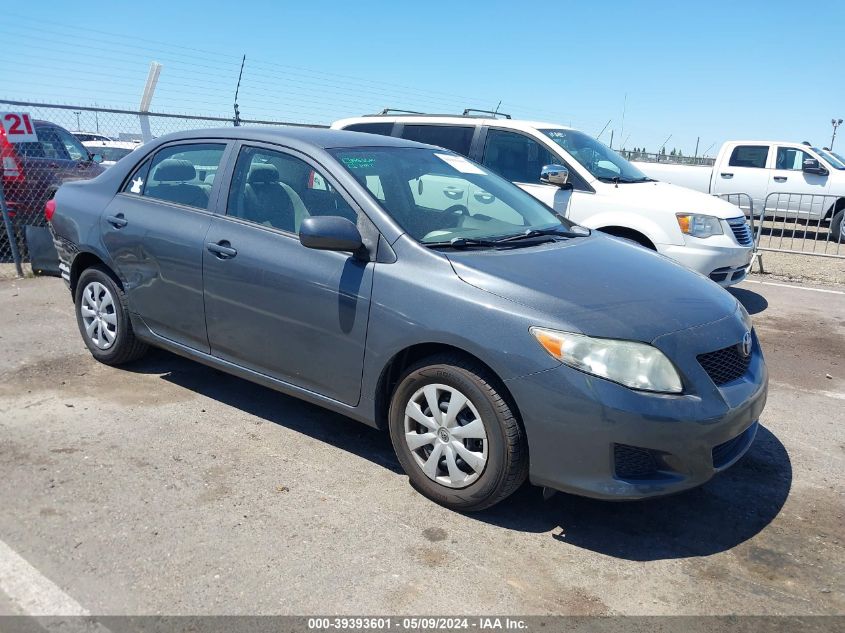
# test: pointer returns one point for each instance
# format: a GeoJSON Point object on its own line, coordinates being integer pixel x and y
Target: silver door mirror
{"type": "Point", "coordinates": [557, 175]}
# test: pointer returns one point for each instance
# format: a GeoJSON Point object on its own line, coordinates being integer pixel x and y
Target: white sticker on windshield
{"type": "Point", "coordinates": [460, 163]}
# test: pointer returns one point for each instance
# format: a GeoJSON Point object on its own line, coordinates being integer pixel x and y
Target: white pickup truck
{"type": "Point", "coordinates": [761, 168]}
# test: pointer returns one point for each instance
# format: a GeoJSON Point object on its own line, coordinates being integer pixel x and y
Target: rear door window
{"type": "Point", "coordinates": [457, 138]}
{"type": "Point", "coordinates": [749, 156]}
{"type": "Point", "coordinates": [184, 174]}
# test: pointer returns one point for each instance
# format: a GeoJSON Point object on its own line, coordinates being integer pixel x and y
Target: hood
{"type": "Point", "coordinates": [661, 196]}
{"type": "Point", "coordinates": [599, 286]}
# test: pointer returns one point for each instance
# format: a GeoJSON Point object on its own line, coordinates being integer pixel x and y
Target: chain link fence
{"type": "Point", "coordinates": [74, 143]}
{"type": "Point", "coordinates": [675, 159]}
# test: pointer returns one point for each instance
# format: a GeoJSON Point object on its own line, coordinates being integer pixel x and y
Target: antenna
{"type": "Point", "coordinates": [598, 136]}
{"type": "Point", "coordinates": [237, 120]}
{"type": "Point", "coordinates": [496, 109]}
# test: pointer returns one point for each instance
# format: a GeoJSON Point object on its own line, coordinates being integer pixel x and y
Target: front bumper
{"type": "Point", "coordinates": [596, 438]}
{"type": "Point", "coordinates": [719, 257]}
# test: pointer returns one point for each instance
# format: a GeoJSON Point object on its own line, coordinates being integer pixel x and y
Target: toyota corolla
{"type": "Point", "coordinates": [411, 289]}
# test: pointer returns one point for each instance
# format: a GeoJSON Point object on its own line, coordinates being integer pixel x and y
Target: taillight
{"type": "Point", "coordinates": [50, 209]}
{"type": "Point", "coordinates": [12, 169]}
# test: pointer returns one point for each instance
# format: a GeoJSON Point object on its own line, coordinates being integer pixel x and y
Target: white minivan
{"type": "Point", "coordinates": [583, 180]}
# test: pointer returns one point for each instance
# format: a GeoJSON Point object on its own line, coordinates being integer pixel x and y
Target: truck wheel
{"type": "Point", "coordinates": [837, 226]}
{"type": "Point", "coordinates": [103, 319]}
{"type": "Point", "coordinates": [455, 435]}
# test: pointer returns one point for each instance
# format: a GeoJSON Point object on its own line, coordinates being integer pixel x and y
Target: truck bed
{"type": "Point", "coordinates": [691, 176]}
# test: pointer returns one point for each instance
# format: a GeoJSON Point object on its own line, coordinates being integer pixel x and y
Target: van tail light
{"type": "Point", "coordinates": [12, 168]}
{"type": "Point", "coordinates": [50, 209]}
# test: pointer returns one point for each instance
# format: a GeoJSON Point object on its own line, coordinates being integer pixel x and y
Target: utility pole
{"type": "Point", "coordinates": [697, 140]}
{"type": "Point", "coordinates": [77, 113]}
{"type": "Point", "coordinates": [835, 123]}
{"type": "Point", "coordinates": [146, 100]}
{"type": "Point", "coordinates": [236, 121]}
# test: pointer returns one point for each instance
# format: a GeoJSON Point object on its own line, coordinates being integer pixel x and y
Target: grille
{"type": "Point", "coordinates": [724, 365]}
{"type": "Point", "coordinates": [725, 453]}
{"type": "Point", "coordinates": [742, 232]}
{"type": "Point", "coordinates": [631, 462]}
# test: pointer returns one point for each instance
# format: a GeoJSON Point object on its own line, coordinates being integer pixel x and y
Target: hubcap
{"type": "Point", "coordinates": [446, 436]}
{"type": "Point", "coordinates": [98, 315]}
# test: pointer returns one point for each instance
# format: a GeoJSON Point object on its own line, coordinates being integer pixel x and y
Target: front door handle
{"type": "Point", "coordinates": [484, 197]}
{"type": "Point", "coordinates": [780, 178]}
{"type": "Point", "coordinates": [726, 174]}
{"type": "Point", "coordinates": [222, 249]}
{"type": "Point", "coordinates": [117, 221]}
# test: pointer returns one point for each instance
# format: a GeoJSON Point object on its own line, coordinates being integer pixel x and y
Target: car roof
{"type": "Point", "coordinates": [323, 138]}
{"type": "Point", "coordinates": [117, 144]}
{"type": "Point", "coordinates": [428, 119]}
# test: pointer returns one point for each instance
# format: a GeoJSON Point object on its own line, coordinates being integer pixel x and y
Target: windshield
{"type": "Point", "coordinates": [836, 161]}
{"type": "Point", "coordinates": [598, 159]}
{"type": "Point", "coordinates": [437, 196]}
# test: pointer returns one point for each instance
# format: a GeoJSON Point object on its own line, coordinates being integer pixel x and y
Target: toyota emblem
{"type": "Point", "coordinates": [745, 346]}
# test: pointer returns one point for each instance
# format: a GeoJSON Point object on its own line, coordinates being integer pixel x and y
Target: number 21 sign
{"type": "Point", "coordinates": [18, 127]}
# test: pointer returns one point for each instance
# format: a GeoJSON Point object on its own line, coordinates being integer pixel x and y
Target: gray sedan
{"type": "Point", "coordinates": [407, 287]}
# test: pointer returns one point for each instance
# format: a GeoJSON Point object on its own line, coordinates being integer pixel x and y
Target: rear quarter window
{"type": "Point", "coordinates": [371, 128]}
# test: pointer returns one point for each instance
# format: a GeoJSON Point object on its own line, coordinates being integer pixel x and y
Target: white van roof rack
{"type": "Point", "coordinates": [468, 112]}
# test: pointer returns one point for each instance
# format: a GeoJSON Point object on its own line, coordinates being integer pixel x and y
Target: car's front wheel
{"type": "Point", "coordinates": [104, 320]}
{"type": "Point", "coordinates": [456, 435]}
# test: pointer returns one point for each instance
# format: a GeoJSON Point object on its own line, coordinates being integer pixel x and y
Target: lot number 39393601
{"type": "Point", "coordinates": [18, 127]}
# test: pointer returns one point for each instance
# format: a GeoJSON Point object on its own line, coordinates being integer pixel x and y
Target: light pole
{"type": "Point", "coordinates": [835, 123]}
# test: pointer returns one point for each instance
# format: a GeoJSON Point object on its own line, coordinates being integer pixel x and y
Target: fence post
{"type": "Point", "coordinates": [10, 231]}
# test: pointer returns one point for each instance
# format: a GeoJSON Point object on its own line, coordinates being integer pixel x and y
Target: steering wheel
{"type": "Point", "coordinates": [459, 211]}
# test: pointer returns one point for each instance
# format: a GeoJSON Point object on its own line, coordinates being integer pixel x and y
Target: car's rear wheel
{"type": "Point", "coordinates": [456, 435]}
{"type": "Point", "coordinates": [837, 226]}
{"type": "Point", "coordinates": [103, 319]}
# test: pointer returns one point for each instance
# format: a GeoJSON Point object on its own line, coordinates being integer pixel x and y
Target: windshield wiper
{"type": "Point", "coordinates": [625, 181]}
{"type": "Point", "coordinates": [530, 233]}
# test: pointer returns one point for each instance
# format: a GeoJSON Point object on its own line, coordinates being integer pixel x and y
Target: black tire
{"type": "Point", "coordinates": [125, 347]}
{"type": "Point", "coordinates": [506, 467]}
{"type": "Point", "coordinates": [837, 223]}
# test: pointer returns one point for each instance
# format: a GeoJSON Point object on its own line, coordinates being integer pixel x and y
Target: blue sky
{"type": "Point", "coordinates": [718, 70]}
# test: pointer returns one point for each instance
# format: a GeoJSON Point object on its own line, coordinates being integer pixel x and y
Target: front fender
{"type": "Point", "coordinates": [656, 231]}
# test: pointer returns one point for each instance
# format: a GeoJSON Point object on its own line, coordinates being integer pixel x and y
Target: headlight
{"type": "Point", "coordinates": [699, 225]}
{"type": "Point", "coordinates": [635, 365]}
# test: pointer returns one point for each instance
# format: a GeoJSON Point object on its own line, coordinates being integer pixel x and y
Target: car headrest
{"type": "Point", "coordinates": [175, 170]}
{"type": "Point", "coordinates": [263, 173]}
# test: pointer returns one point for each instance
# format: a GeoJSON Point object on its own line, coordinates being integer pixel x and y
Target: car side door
{"type": "Point", "coordinates": [154, 231]}
{"type": "Point", "coordinates": [81, 163]}
{"type": "Point", "coordinates": [795, 187]}
{"type": "Point", "coordinates": [272, 305]}
{"type": "Point", "coordinates": [745, 172]}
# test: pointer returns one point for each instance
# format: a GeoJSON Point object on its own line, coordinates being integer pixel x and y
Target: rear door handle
{"type": "Point", "coordinates": [222, 249]}
{"type": "Point", "coordinates": [780, 178]}
{"type": "Point", "coordinates": [117, 221]}
{"type": "Point", "coordinates": [453, 193]}
{"type": "Point", "coordinates": [726, 174]}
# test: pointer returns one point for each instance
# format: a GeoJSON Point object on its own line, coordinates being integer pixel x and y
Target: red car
{"type": "Point", "coordinates": [32, 172]}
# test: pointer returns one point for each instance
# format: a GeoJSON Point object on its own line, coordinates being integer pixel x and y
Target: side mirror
{"type": "Point", "coordinates": [557, 175]}
{"type": "Point", "coordinates": [97, 158]}
{"type": "Point", "coordinates": [812, 166]}
{"type": "Point", "coordinates": [330, 233]}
